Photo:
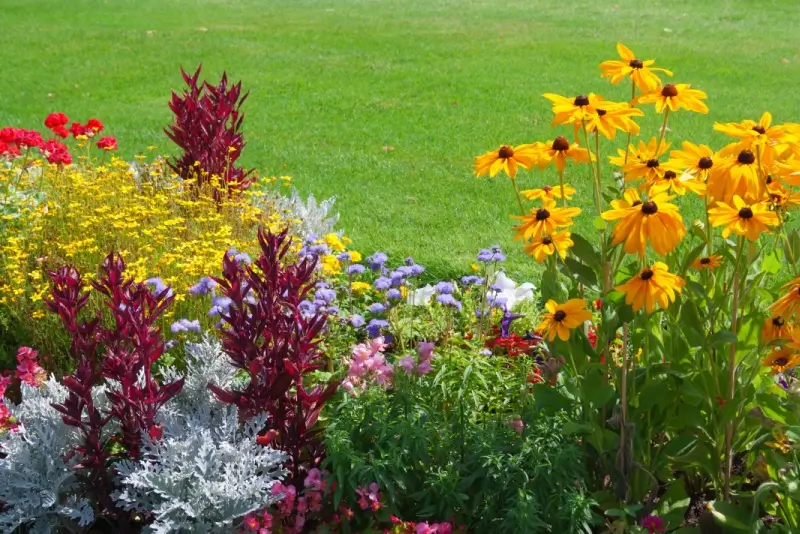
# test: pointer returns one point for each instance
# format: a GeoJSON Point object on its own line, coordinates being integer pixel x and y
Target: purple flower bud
{"type": "Point", "coordinates": [356, 268]}
{"type": "Point", "coordinates": [374, 327]}
{"type": "Point", "coordinates": [472, 280]}
{"type": "Point", "coordinates": [444, 288]}
{"type": "Point", "coordinates": [394, 294]}
{"type": "Point", "coordinates": [377, 307]}
{"type": "Point", "coordinates": [382, 283]}
{"type": "Point", "coordinates": [449, 300]}
{"type": "Point", "coordinates": [325, 295]}
{"type": "Point", "coordinates": [409, 261]}
{"type": "Point", "coordinates": [377, 261]}
{"type": "Point", "coordinates": [357, 321]}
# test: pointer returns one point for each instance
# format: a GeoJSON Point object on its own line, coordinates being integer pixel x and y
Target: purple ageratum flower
{"type": "Point", "coordinates": [449, 300]}
{"type": "Point", "coordinates": [409, 261]}
{"type": "Point", "coordinates": [332, 310]}
{"type": "Point", "coordinates": [472, 280]}
{"type": "Point", "coordinates": [394, 294]}
{"type": "Point", "coordinates": [344, 256]}
{"type": "Point", "coordinates": [185, 325]}
{"type": "Point", "coordinates": [496, 301]}
{"type": "Point", "coordinates": [382, 283]}
{"type": "Point", "coordinates": [397, 278]}
{"type": "Point", "coordinates": [377, 307]}
{"type": "Point", "coordinates": [404, 270]}
{"type": "Point", "coordinates": [357, 321]}
{"type": "Point", "coordinates": [203, 287]}
{"type": "Point", "coordinates": [377, 261]}
{"type": "Point", "coordinates": [170, 344]}
{"type": "Point", "coordinates": [325, 295]}
{"type": "Point", "coordinates": [374, 327]}
{"type": "Point", "coordinates": [444, 288]}
{"type": "Point", "coordinates": [219, 306]}
{"type": "Point", "coordinates": [157, 285]}
{"type": "Point", "coordinates": [492, 254]}
{"type": "Point", "coordinates": [356, 268]}
{"type": "Point", "coordinates": [417, 270]}
{"type": "Point", "coordinates": [322, 285]}
{"type": "Point", "coordinates": [243, 258]}
{"type": "Point", "coordinates": [307, 308]}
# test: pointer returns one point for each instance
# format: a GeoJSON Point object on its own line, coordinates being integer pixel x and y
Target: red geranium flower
{"type": "Point", "coordinates": [56, 120]}
{"type": "Point", "coordinates": [107, 143]}
{"type": "Point", "coordinates": [61, 131]}
{"type": "Point", "coordinates": [29, 138]}
{"type": "Point", "coordinates": [8, 135]}
{"type": "Point", "coordinates": [8, 150]}
{"type": "Point", "coordinates": [95, 125]}
{"type": "Point", "coordinates": [56, 152]}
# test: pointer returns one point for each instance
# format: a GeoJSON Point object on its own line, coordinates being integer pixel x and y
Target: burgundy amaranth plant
{"type": "Point", "coordinates": [207, 127]}
{"type": "Point", "coordinates": [267, 336]}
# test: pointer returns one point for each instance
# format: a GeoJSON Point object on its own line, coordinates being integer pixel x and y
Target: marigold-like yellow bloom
{"type": "Point", "coordinates": [641, 72]}
{"type": "Point", "coordinates": [543, 246]}
{"type": "Point", "coordinates": [776, 327]}
{"type": "Point", "coordinates": [507, 159]}
{"type": "Point", "coordinates": [571, 110]}
{"type": "Point", "coordinates": [544, 220]}
{"type": "Point", "coordinates": [694, 159]}
{"type": "Point", "coordinates": [707, 262]}
{"type": "Point", "coordinates": [749, 220]}
{"type": "Point", "coordinates": [780, 360]}
{"type": "Point", "coordinates": [549, 192]}
{"type": "Point", "coordinates": [561, 318]}
{"type": "Point", "coordinates": [651, 286]}
{"type": "Point", "coordinates": [674, 97]}
{"type": "Point", "coordinates": [558, 150]}
{"type": "Point", "coordinates": [656, 221]}
{"type": "Point", "coordinates": [360, 287]}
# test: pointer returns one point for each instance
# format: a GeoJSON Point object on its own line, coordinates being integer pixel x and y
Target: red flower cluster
{"type": "Point", "coordinates": [89, 129]}
{"type": "Point", "coordinates": [12, 140]}
{"type": "Point", "coordinates": [513, 345]}
{"type": "Point", "coordinates": [107, 143]}
{"type": "Point", "coordinates": [57, 123]}
{"type": "Point", "coordinates": [56, 152]}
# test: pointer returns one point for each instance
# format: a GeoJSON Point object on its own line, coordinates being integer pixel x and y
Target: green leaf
{"type": "Point", "coordinates": [550, 287]}
{"type": "Point", "coordinates": [615, 512]}
{"type": "Point", "coordinates": [770, 263]}
{"type": "Point", "coordinates": [581, 271]}
{"type": "Point", "coordinates": [654, 393]}
{"type": "Point", "coordinates": [680, 446]}
{"type": "Point", "coordinates": [722, 337]}
{"type": "Point", "coordinates": [586, 252]}
{"type": "Point", "coordinates": [730, 516]}
{"type": "Point", "coordinates": [599, 223]}
{"type": "Point", "coordinates": [692, 324]}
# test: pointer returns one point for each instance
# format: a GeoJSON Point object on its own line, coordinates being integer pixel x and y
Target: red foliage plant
{"type": "Point", "coordinates": [267, 336]}
{"type": "Point", "coordinates": [125, 353]}
{"type": "Point", "coordinates": [207, 127]}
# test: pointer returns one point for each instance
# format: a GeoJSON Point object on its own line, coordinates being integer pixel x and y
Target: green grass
{"type": "Point", "coordinates": [333, 82]}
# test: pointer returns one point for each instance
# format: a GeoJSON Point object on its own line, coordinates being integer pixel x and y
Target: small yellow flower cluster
{"type": "Point", "coordinates": [163, 226]}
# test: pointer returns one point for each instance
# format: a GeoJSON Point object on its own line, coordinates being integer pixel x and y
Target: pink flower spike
{"type": "Point", "coordinates": [407, 364]}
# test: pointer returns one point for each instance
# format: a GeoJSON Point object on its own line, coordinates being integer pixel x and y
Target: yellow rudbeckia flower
{"type": "Point", "coordinates": [656, 221]}
{"type": "Point", "coordinates": [641, 72]}
{"type": "Point", "coordinates": [651, 286]}
{"type": "Point", "coordinates": [749, 220]}
{"type": "Point", "coordinates": [561, 318]}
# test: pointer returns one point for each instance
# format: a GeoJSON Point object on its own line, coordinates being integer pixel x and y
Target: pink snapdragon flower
{"type": "Point", "coordinates": [369, 497]}
{"type": "Point", "coordinates": [368, 364]}
{"type": "Point", "coordinates": [28, 369]}
{"type": "Point", "coordinates": [425, 353]}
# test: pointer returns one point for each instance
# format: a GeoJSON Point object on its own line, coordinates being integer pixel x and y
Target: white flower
{"type": "Point", "coordinates": [509, 290]}
{"type": "Point", "coordinates": [421, 296]}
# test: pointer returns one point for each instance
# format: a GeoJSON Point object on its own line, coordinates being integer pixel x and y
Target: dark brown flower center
{"type": "Point", "coordinates": [670, 175]}
{"type": "Point", "coordinates": [705, 261]}
{"type": "Point", "coordinates": [505, 152]}
{"type": "Point", "coordinates": [746, 157]}
{"type": "Point", "coordinates": [705, 163]}
{"type": "Point", "coordinates": [647, 274]}
{"type": "Point", "coordinates": [560, 143]}
{"type": "Point", "coordinates": [601, 112]}
{"type": "Point", "coordinates": [778, 321]}
{"type": "Point", "coordinates": [636, 64]}
{"type": "Point", "coordinates": [560, 315]}
{"type": "Point", "coordinates": [542, 214]}
{"type": "Point", "coordinates": [547, 240]}
{"type": "Point", "coordinates": [547, 189]}
{"type": "Point", "coordinates": [637, 203]}
{"type": "Point", "coordinates": [769, 179]}
{"type": "Point", "coordinates": [581, 100]}
{"type": "Point", "coordinates": [760, 129]}
{"type": "Point", "coordinates": [780, 362]}
{"type": "Point", "coordinates": [669, 90]}
{"type": "Point", "coordinates": [649, 207]}
{"type": "Point", "coordinates": [745, 213]}
{"type": "Point", "coordinates": [652, 163]}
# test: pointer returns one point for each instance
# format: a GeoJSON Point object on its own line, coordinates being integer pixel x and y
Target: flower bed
{"type": "Point", "coordinates": [234, 366]}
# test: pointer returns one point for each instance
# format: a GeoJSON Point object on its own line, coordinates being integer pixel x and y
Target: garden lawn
{"type": "Point", "coordinates": [385, 103]}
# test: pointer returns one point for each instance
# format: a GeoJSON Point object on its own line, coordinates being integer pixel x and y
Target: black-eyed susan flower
{"type": "Point", "coordinates": [756, 135]}
{"type": "Point", "coordinates": [672, 182]}
{"type": "Point", "coordinates": [612, 116]}
{"type": "Point", "coordinates": [748, 220]}
{"type": "Point", "coordinates": [561, 318]}
{"type": "Point", "coordinates": [629, 198]}
{"type": "Point", "coordinates": [707, 262]}
{"type": "Point", "coordinates": [570, 110]}
{"type": "Point", "coordinates": [776, 327]}
{"type": "Point", "coordinates": [788, 170]}
{"type": "Point", "coordinates": [780, 360]}
{"type": "Point", "coordinates": [736, 174]}
{"type": "Point", "coordinates": [694, 159]}
{"type": "Point", "coordinates": [780, 198]}
{"type": "Point", "coordinates": [652, 285]}
{"type": "Point", "coordinates": [655, 220]}
{"type": "Point", "coordinates": [559, 150]}
{"type": "Point", "coordinates": [789, 303]}
{"type": "Point", "coordinates": [543, 246]}
{"type": "Point", "coordinates": [674, 97]}
{"type": "Point", "coordinates": [548, 191]}
{"type": "Point", "coordinates": [641, 72]}
{"type": "Point", "coordinates": [642, 162]}
{"type": "Point", "coordinates": [781, 442]}
{"type": "Point", "coordinates": [544, 220]}
{"type": "Point", "coordinates": [506, 158]}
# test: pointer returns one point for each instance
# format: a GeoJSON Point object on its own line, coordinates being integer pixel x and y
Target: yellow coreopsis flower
{"type": "Point", "coordinates": [571, 110]}
{"type": "Point", "coordinates": [548, 191]}
{"type": "Point", "coordinates": [544, 220]}
{"type": "Point", "coordinates": [561, 318]}
{"type": "Point", "coordinates": [656, 221]}
{"type": "Point", "coordinates": [507, 159]}
{"type": "Point", "coordinates": [360, 287]}
{"type": "Point", "coordinates": [749, 220]}
{"type": "Point", "coordinates": [776, 327]}
{"type": "Point", "coordinates": [674, 97]}
{"type": "Point", "coordinates": [559, 150]}
{"type": "Point", "coordinates": [694, 159]}
{"type": "Point", "coordinates": [543, 246]}
{"type": "Point", "coordinates": [707, 262]}
{"type": "Point", "coordinates": [651, 286]}
{"type": "Point", "coordinates": [641, 72]}
{"type": "Point", "coordinates": [780, 360]}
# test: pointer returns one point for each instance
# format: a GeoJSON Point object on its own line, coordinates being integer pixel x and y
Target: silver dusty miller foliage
{"type": "Point", "coordinates": [311, 217]}
{"type": "Point", "coordinates": [204, 475]}
{"type": "Point", "coordinates": [207, 471]}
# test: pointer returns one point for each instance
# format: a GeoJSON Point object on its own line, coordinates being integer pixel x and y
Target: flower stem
{"type": "Point", "coordinates": [561, 184]}
{"type": "Point", "coordinates": [628, 142]}
{"type": "Point", "coordinates": [732, 370]}
{"type": "Point", "coordinates": [709, 235]}
{"type": "Point", "coordinates": [519, 198]}
{"type": "Point", "coordinates": [663, 131]}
